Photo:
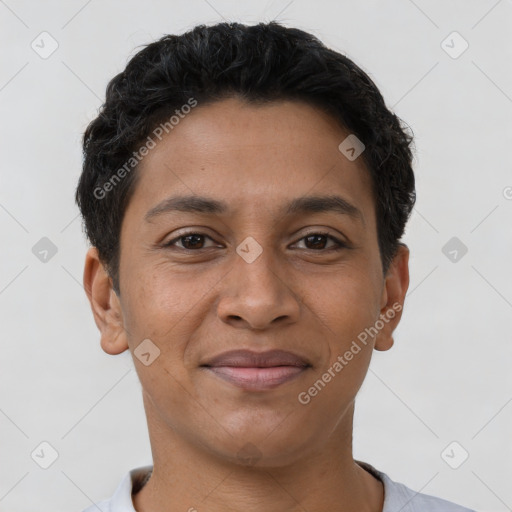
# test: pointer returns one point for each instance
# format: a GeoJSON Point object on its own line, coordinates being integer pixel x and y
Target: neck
{"type": "Point", "coordinates": [190, 478]}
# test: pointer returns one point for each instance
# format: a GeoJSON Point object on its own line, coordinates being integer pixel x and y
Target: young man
{"type": "Point", "coordinates": [245, 190]}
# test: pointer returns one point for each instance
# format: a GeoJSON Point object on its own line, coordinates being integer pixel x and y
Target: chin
{"type": "Point", "coordinates": [261, 450]}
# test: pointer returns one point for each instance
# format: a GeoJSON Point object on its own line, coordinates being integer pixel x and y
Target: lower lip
{"type": "Point", "coordinates": [257, 378]}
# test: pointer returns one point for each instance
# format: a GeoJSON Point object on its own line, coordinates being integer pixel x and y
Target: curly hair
{"type": "Point", "coordinates": [260, 63]}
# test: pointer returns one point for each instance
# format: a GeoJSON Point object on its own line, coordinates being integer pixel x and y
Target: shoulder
{"type": "Point", "coordinates": [104, 506]}
{"type": "Point", "coordinates": [397, 496]}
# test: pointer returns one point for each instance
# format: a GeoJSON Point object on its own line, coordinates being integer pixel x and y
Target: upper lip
{"type": "Point", "coordinates": [248, 358]}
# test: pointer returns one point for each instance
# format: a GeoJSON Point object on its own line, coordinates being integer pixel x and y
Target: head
{"type": "Point", "coordinates": [224, 212]}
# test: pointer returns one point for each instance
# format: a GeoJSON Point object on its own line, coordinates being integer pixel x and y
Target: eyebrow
{"type": "Point", "coordinates": [206, 205]}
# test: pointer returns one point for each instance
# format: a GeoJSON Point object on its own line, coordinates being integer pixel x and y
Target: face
{"type": "Point", "coordinates": [244, 270]}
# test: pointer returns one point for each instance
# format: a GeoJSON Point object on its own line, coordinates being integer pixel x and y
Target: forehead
{"type": "Point", "coordinates": [251, 157]}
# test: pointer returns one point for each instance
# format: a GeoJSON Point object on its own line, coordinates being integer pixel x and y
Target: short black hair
{"type": "Point", "coordinates": [259, 63]}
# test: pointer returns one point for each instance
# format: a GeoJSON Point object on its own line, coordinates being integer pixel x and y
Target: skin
{"type": "Point", "coordinates": [297, 295]}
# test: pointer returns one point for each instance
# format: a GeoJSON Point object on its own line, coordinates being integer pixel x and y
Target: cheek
{"type": "Point", "coordinates": [344, 304]}
{"type": "Point", "coordinates": [167, 306]}
{"type": "Point", "coordinates": [159, 306]}
{"type": "Point", "coordinates": [153, 297]}
{"type": "Point", "coordinates": [348, 350]}
{"type": "Point", "coordinates": [344, 310]}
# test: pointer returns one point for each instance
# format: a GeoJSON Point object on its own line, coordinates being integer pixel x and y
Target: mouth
{"type": "Point", "coordinates": [256, 379]}
{"type": "Point", "coordinates": [253, 371]}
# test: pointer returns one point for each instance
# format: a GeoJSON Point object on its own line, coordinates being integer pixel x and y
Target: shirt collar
{"type": "Point", "coordinates": [134, 480]}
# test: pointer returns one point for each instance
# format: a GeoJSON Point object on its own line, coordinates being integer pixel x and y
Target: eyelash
{"type": "Point", "coordinates": [339, 244]}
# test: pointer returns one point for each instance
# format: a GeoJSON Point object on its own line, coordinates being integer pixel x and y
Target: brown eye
{"type": "Point", "coordinates": [189, 241]}
{"type": "Point", "coordinates": [318, 242]}
{"type": "Point", "coordinates": [192, 241]}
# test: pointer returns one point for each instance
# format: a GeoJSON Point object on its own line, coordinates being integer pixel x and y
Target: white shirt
{"type": "Point", "coordinates": [397, 497]}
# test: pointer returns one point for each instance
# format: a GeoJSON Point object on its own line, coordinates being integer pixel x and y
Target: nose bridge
{"type": "Point", "coordinates": [256, 265]}
{"type": "Point", "coordinates": [256, 292]}
{"type": "Point", "coordinates": [255, 269]}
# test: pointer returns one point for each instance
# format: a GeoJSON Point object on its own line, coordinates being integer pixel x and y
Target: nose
{"type": "Point", "coordinates": [257, 295]}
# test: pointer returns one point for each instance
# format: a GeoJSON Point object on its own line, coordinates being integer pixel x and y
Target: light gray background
{"type": "Point", "coordinates": [448, 376]}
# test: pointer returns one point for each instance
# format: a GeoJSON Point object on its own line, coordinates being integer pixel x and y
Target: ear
{"type": "Point", "coordinates": [393, 297]}
{"type": "Point", "coordinates": [105, 304]}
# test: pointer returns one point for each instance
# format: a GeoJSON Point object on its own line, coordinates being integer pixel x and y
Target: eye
{"type": "Point", "coordinates": [195, 241]}
{"type": "Point", "coordinates": [189, 241]}
{"type": "Point", "coordinates": [315, 239]}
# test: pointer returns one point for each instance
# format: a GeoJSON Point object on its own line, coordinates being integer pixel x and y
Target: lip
{"type": "Point", "coordinates": [257, 379]}
{"type": "Point", "coordinates": [257, 371]}
{"type": "Point", "coordinates": [251, 359]}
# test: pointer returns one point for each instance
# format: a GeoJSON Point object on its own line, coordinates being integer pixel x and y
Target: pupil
{"type": "Point", "coordinates": [188, 237]}
{"type": "Point", "coordinates": [317, 237]}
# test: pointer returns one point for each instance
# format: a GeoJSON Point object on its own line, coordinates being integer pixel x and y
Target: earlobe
{"type": "Point", "coordinates": [105, 304]}
{"type": "Point", "coordinates": [395, 289]}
